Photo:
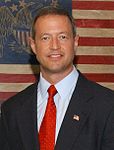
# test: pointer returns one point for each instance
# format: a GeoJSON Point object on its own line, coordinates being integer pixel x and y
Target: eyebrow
{"type": "Point", "coordinates": [63, 32]}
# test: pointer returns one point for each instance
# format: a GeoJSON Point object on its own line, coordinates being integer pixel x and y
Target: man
{"type": "Point", "coordinates": [84, 110]}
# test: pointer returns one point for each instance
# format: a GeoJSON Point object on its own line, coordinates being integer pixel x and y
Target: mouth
{"type": "Point", "coordinates": [55, 56]}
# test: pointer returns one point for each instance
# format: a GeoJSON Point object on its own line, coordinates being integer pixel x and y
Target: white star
{"type": "Point", "coordinates": [22, 3]}
{"type": "Point", "coordinates": [14, 7]}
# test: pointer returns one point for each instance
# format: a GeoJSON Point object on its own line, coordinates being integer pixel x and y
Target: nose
{"type": "Point", "coordinates": [55, 43]}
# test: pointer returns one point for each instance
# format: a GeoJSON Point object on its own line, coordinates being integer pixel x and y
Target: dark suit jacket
{"type": "Point", "coordinates": [93, 130]}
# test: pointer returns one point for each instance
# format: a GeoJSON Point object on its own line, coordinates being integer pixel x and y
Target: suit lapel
{"type": "Point", "coordinates": [26, 118]}
{"type": "Point", "coordinates": [76, 115]}
{"type": "Point", "coordinates": [71, 127]}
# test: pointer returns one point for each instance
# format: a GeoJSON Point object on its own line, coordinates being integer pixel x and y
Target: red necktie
{"type": "Point", "coordinates": [48, 125]}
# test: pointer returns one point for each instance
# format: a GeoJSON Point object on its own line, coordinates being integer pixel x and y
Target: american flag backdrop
{"type": "Point", "coordinates": [95, 25]}
{"type": "Point", "coordinates": [94, 56]}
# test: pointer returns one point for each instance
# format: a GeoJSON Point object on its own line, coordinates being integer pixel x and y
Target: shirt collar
{"type": "Point", "coordinates": [43, 86]}
{"type": "Point", "coordinates": [63, 87]}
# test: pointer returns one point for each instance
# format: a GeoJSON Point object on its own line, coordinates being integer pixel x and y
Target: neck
{"type": "Point", "coordinates": [54, 78]}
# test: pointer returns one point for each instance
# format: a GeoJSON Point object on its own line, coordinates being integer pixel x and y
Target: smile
{"type": "Point", "coordinates": [55, 55]}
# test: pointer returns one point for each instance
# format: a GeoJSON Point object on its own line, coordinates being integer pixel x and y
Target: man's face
{"type": "Point", "coordinates": [54, 44]}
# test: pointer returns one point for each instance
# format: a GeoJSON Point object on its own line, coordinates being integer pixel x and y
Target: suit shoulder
{"type": "Point", "coordinates": [98, 91]}
{"type": "Point", "coordinates": [101, 90]}
{"type": "Point", "coordinates": [21, 97]}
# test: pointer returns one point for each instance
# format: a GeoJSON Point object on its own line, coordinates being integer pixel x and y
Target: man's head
{"type": "Point", "coordinates": [54, 42]}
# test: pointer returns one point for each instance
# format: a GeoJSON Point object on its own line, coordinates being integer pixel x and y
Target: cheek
{"type": "Point", "coordinates": [70, 50]}
{"type": "Point", "coordinates": [41, 56]}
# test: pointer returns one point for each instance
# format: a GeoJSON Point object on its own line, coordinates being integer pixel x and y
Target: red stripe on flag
{"type": "Point", "coordinates": [83, 59]}
{"type": "Point", "coordinates": [100, 77]}
{"type": "Point", "coordinates": [6, 95]}
{"type": "Point", "coordinates": [93, 23]}
{"type": "Point", "coordinates": [17, 78]}
{"type": "Point", "coordinates": [92, 41]}
{"type": "Point", "coordinates": [95, 5]}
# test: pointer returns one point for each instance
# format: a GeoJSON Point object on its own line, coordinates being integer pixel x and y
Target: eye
{"type": "Point", "coordinates": [63, 37]}
{"type": "Point", "coordinates": [45, 38]}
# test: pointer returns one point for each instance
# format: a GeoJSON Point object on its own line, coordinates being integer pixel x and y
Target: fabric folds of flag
{"type": "Point", "coordinates": [95, 26]}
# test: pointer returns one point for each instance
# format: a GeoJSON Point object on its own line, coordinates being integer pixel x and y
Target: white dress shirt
{"type": "Point", "coordinates": [65, 90]}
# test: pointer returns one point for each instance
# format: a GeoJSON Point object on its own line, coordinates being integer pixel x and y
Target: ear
{"type": "Point", "coordinates": [32, 44]}
{"type": "Point", "coordinates": [76, 39]}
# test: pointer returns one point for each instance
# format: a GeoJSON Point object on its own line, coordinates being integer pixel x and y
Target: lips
{"type": "Point", "coordinates": [55, 55]}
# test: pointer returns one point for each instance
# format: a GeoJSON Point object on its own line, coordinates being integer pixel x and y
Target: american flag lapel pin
{"type": "Point", "coordinates": [76, 117]}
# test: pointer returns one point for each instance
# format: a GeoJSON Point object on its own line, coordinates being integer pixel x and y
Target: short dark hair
{"type": "Point", "coordinates": [52, 10]}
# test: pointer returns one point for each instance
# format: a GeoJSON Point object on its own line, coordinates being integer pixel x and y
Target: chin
{"type": "Point", "coordinates": [59, 70]}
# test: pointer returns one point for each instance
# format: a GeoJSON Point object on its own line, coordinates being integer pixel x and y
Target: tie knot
{"type": "Point", "coordinates": [52, 91]}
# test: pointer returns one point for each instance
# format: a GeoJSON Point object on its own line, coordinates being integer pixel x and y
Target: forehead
{"type": "Point", "coordinates": [51, 19]}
